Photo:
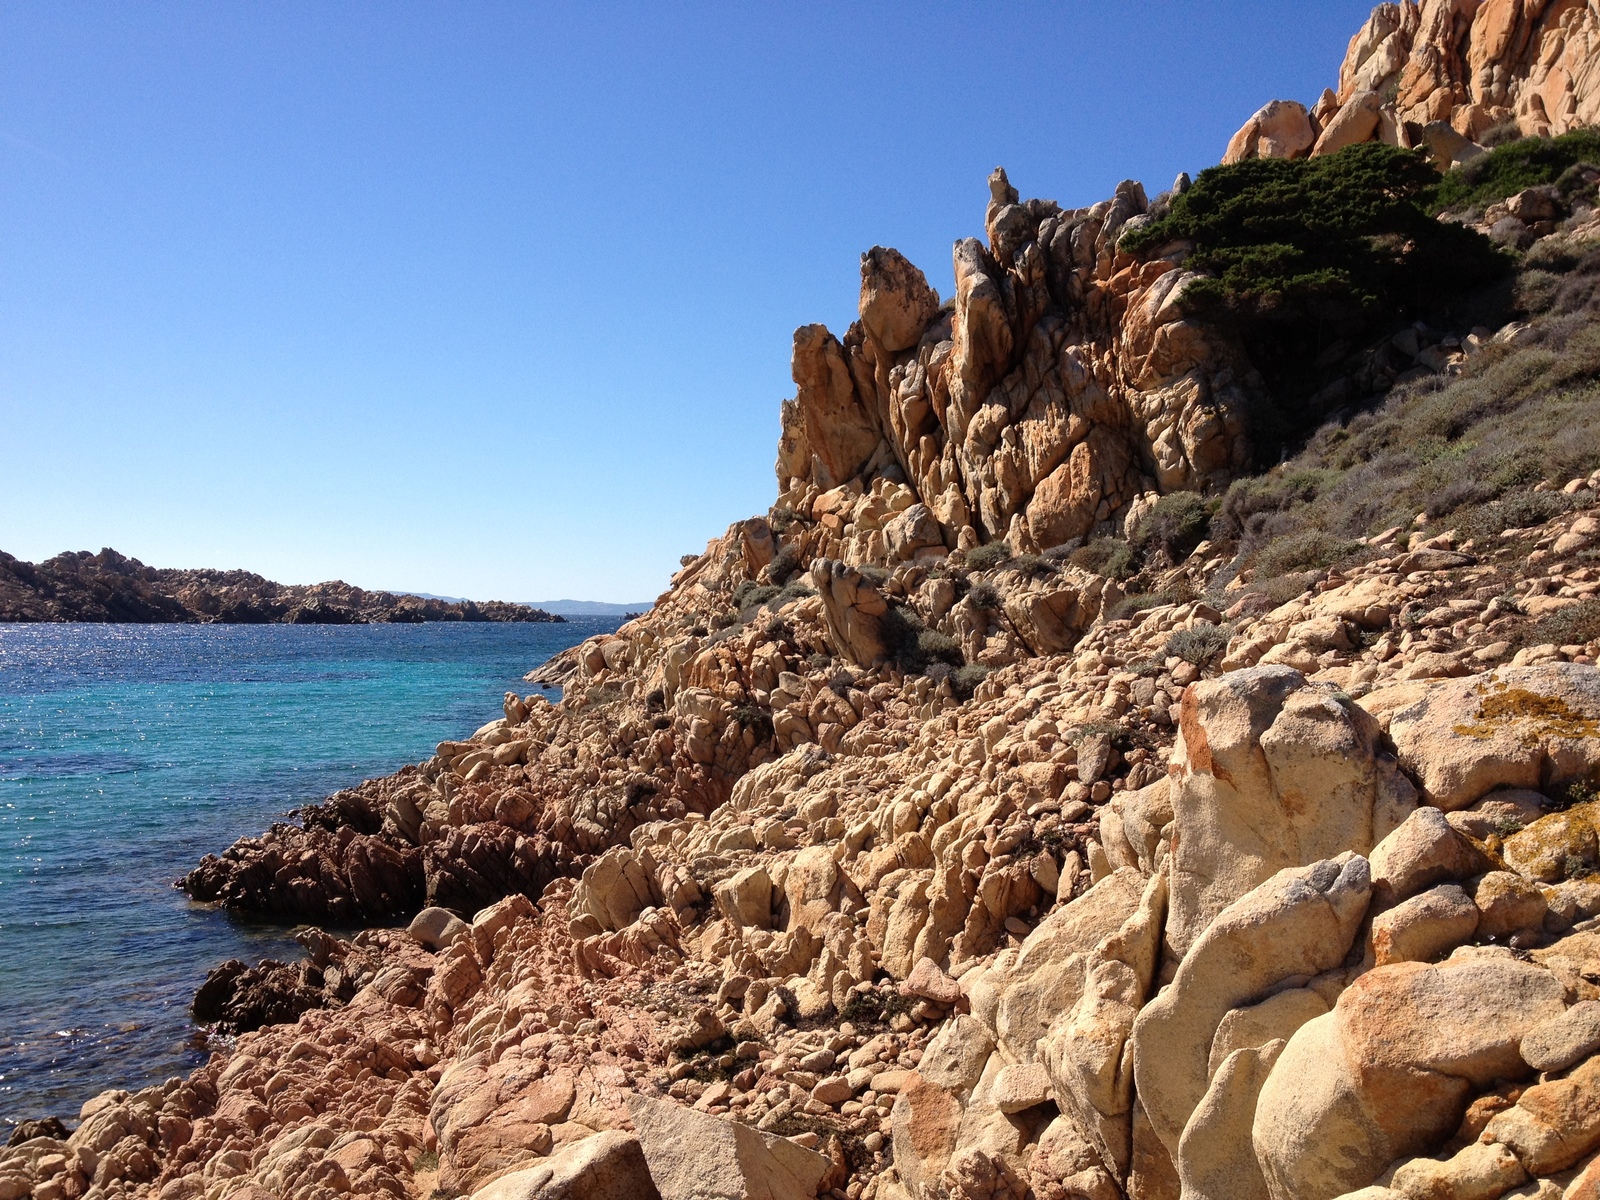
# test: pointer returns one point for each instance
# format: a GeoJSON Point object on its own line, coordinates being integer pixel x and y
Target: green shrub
{"type": "Point", "coordinates": [912, 645]}
{"type": "Point", "coordinates": [793, 590]}
{"type": "Point", "coordinates": [984, 558]}
{"type": "Point", "coordinates": [1176, 524]}
{"type": "Point", "coordinates": [1136, 602]}
{"type": "Point", "coordinates": [1031, 564]}
{"type": "Point", "coordinates": [750, 594]}
{"type": "Point", "coordinates": [1466, 450]}
{"type": "Point", "coordinates": [757, 719]}
{"type": "Point", "coordinates": [1514, 166]}
{"type": "Point", "coordinates": [1111, 557]}
{"type": "Point", "coordinates": [965, 680]}
{"type": "Point", "coordinates": [1516, 511]}
{"type": "Point", "coordinates": [1311, 550]}
{"type": "Point", "coordinates": [1302, 253]}
{"type": "Point", "coordinates": [781, 518]}
{"type": "Point", "coordinates": [984, 596]}
{"type": "Point", "coordinates": [1198, 645]}
{"type": "Point", "coordinates": [876, 576]}
{"type": "Point", "coordinates": [1575, 625]}
{"type": "Point", "coordinates": [784, 564]}
{"type": "Point", "coordinates": [725, 633]}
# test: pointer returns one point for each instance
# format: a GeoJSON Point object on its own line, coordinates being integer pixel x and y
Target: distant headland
{"type": "Point", "coordinates": [109, 586]}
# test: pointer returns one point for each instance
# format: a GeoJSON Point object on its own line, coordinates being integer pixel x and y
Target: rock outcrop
{"type": "Point", "coordinates": [1061, 383]}
{"type": "Point", "coordinates": [1440, 75]}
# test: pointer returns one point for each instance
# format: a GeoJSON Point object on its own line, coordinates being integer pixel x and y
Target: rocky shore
{"type": "Point", "coordinates": [1039, 800]}
{"type": "Point", "coordinates": [112, 587]}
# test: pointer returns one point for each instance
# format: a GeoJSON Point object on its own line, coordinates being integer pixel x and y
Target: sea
{"type": "Point", "coordinates": [129, 751]}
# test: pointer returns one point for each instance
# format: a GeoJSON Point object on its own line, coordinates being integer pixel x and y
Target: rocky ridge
{"type": "Point", "coordinates": [112, 587]}
{"type": "Point", "coordinates": [887, 858]}
{"type": "Point", "coordinates": [1445, 76]}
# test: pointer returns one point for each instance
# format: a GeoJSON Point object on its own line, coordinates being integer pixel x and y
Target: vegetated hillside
{"type": "Point", "coordinates": [112, 587]}
{"type": "Point", "coordinates": [1474, 437]}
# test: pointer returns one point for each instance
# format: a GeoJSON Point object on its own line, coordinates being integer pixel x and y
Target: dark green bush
{"type": "Point", "coordinates": [1311, 550]}
{"type": "Point", "coordinates": [750, 594]}
{"type": "Point", "coordinates": [1465, 450]}
{"type": "Point", "coordinates": [757, 719]}
{"type": "Point", "coordinates": [876, 576]}
{"type": "Point", "coordinates": [1301, 254]}
{"type": "Point", "coordinates": [984, 596]}
{"type": "Point", "coordinates": [1338, 236]}
{"type": "Point", "coordinates": [784, 564]}
{"type": "Point", "coordinates": [1174, 527]}
{"type": "Point", "coordinates": [1111, 557]}
{"type": "Point", "coordinates": [793, 590]}
{"type": "Point", "coordinates": [1514, 166]}
{"type": "Point", "coordinates": [1576, 625]}
{"type": "Point", "coordinates": [984, 558]}
{"type": "Point", "coordinates": [1517, 511]}
{"type": "Point", "coordinates": [1031, 564]}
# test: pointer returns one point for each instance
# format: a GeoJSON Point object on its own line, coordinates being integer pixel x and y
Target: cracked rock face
{"type": "Point", "coordinates": [1439, 75]}
{"type": "Point", "coordinates": [1061, 383]}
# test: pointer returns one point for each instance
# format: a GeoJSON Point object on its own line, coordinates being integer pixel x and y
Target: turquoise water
{"type": "Point", "coordinates": [129, 751]}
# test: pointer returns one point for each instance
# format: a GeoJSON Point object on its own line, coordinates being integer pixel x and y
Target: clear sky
{"type": "Point", "coordinates": [496, 300]}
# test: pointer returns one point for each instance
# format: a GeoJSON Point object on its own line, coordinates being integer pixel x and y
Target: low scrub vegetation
{"type": "Point", "coordinates": [1464, 453]}
{"type": "Point", "coordinates": [1307, 255]}
{"type": "Point", "coordinates": [1515, 166]}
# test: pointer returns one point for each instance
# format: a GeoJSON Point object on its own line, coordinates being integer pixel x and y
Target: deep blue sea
{"type": "Point", "coordinates": [129, 751]}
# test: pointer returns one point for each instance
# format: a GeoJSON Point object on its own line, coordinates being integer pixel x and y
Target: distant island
{"type": "Point", "coordinates": [592, 608]}
{"type": "Point", "coordinates": [109, 587]}
{"type": "Point", "coordinates": [572, 608]}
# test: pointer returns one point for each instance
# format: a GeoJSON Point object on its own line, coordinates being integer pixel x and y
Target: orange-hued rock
{"type": "Point", "coordinates": [1468, 64]}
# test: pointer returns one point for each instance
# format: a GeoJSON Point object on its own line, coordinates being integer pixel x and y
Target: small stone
{"type": "Point", "coordinates": [834, 1090]}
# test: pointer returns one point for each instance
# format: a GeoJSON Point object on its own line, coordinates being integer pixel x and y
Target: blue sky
{"type": "Point", "coordinates": [496, 300]}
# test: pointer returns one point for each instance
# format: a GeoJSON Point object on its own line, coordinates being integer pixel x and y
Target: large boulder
{"type": "Point", "coordinates": [1389, 1071]}
{"type": "Point", "coordinates": [1354, 123]}
{"type": "Point", "coordinates": [1298, 924]}
{"type": "Point", "coordinates": [1022, 995]}
{"type": "Point", "coordinates": [1271, 771]}
{"type": "Point", "coordinates": [696, 1156]}
{"type": "Point", "coordinates": [1052, 619]}
{"type": "Point", "coordinates": [1518, 727]}
{"type": "Point", "coordinates": [896, 302]}
{"type": "Point", "coordinates": [1279, 129]}
{"type": "Point", "coordinates": [1086, 1049]}
{"type": "Point", "coordinates": [853, 610]}
{"type": "Point", "coordinates": [838, 432]}
{"type": "Point", "coordinates": [607, 1166]}
{"type": "Point", "coordinates": [615, 889]}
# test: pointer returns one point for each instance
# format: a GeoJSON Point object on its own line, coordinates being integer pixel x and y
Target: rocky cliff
{"type": "Point", "coordinates": [1033, 803]}
{"type": "Point", "coordinates": [112, 587]}
{"type": "Point", "coordinates": [1446, 75]}
{"type": "Point", "coordinates": [1061, 383]}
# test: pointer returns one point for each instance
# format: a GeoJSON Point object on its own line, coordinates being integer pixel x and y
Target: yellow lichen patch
{"type": "Point", "coordinates": [1538, 716]}
{"type": "Point", "coordinates": [1563, 845]}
